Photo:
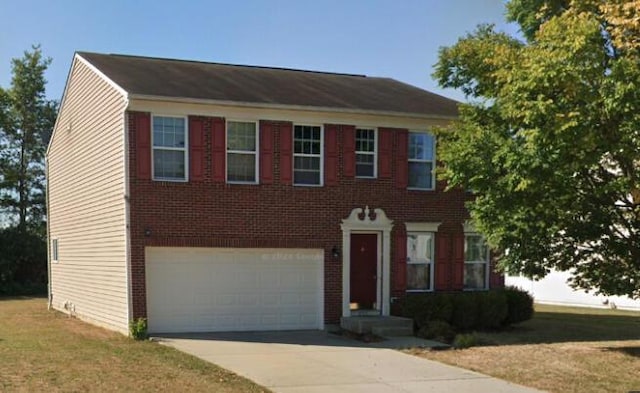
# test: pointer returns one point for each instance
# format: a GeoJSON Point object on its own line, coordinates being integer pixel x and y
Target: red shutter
{"type": "Point", "coordinates": [286, 157]}
{"type": "Point", "coordinates": [218, 149]}
{"type": "Point", "coordinates": [266, 152]}
{"type": "Point", "coordinates": [349, 150]}
{"type": "Point", "coordinates": [196, 149]}
{"type": "Point", "coordinates": [442, 269]}
{"type": "Point", "coordinates": [385, 142]}
{"type": "Point", "coordinates": [402, 165]}
{"type": "Point", "coordinates": [331, 155]}
{"type": "Point", "coordinates": [496, 279]}
{"type": "Point", "coordinates": [458, 261]}
{"type": "Point", "coordinates": [143, 145]}
{"type": "Point", "coordinates": [400, 282]}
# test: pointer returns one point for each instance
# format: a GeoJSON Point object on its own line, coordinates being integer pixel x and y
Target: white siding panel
{"type": "Point", "coordinates": [86, 201]}
{"type": "Point", "coordinates": [553, 289]}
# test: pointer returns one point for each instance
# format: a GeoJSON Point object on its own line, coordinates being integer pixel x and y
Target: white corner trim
{"type": "Point", "coordinates": [468, 227]}
{"type": "Point", "coordinates": [422, 226]}
{"type": "Point", "coordinates": [103, 76]}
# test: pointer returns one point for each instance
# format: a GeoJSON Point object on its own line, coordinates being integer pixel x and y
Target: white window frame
{"type": "Point", "coordinates": [256, 152]}
{"type": "Point", "coordinates": [294, 154]}
{"type": "Point", "coordinates": [432, 258]}
{"type": "Point", "coordinates": [185, 149]}
{"type": "Point", "coordinates": [374, 154]}
{"type": "Point", "coordinates": [432, 161]}
{"type": "Point", "coordinates": [486, 262]}
{"type": "Point", "coordinates": [55, 249]}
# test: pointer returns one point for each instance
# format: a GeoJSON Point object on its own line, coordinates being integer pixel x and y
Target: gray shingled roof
{"type": "Point", "coordinates": [265, 85]}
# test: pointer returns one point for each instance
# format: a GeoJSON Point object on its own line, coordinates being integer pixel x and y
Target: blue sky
{"type": "Point", "coordinates": [397, 39]}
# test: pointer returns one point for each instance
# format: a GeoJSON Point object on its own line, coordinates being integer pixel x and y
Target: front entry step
{"type": "Point", "coordinates": [378, 325]}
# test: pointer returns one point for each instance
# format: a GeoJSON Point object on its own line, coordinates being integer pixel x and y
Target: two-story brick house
{"type": "Point", "coordinates": [213, 197]}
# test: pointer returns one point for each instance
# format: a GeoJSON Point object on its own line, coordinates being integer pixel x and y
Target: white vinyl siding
{"type": "Point", "coordinates": [422, 159]}
{"type": "Point", "coordinates": [86, 169]}
{"type": "Point", "coordinates": [242, 152]}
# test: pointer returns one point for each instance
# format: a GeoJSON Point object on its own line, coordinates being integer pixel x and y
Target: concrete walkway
{"type": "Point", "coordinates": [316, 361]}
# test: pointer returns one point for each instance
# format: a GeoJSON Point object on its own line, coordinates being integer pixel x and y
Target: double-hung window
{"type": "Point", "coordinates": [476, 262]}
{"type": "Point", "coordinates": [242, 162]}
{"type": "Point", "coordinates": [307, 155]}
{"type": "Point", "coordinates": [169, 148]}
{"type": "Point", "coordinates": [54, 250]}
{"type": "Point", "coordinates": [420, 261]}
{"type": "Point", "coordinates": [421, 160]}
{"type": "Point", "coordinates": [365, 152]}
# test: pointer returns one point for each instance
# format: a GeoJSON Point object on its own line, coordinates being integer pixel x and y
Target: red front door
{"type": "Point", "coordinates": [364, 267]}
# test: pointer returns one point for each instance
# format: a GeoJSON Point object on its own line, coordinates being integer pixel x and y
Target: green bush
{"type": "Point", "coordinates": [519, 305]}
{"type": "Point", "coordinates": [465, 341]}
{"type": "Point", "coordinates": [492, 309]}
{"type": "Point", "coordinates": [427, 307]}
{"type": "Point", "coordinates": [23, 262]}
{"type": "Point", "coordinates": [465, 311]}
{"type": "Point", "coordinates": [138, 329]}
{"type": "Point", "coordinates": [437, 330]}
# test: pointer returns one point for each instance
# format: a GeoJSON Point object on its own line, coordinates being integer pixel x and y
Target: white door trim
{"type": "Point", "coordinates": [382, 225]}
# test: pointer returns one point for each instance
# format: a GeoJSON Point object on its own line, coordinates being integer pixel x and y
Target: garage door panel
{"type": "Point", "coordinates": [190, 289]}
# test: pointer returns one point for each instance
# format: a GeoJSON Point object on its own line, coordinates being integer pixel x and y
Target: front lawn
{"type": "Point", "coordinates": [46, 351]}
{"type": "Point", "coordinates": [562, 350]}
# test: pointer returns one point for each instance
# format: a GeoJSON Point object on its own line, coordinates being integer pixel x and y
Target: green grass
{"type": "Point", "coordinates": [562, 349]}
{"type": "Point", "coordinates": [47, 351]}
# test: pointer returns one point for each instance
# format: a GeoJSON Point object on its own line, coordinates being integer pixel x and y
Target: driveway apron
{"type": "Point", "coordinates": [317, 361]}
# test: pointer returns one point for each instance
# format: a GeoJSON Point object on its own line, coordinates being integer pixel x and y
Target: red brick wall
{"type": "Point", "coordinates": [209, 214]}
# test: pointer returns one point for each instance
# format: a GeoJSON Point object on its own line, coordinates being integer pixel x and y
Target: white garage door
{"type": "Point", "coordinates": [220, 289]}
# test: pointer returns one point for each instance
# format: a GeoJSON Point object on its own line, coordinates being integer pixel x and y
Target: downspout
{"type": "Point", "coordinates": [49, 293]}
{"type": "Point", "coordinates": [127, 217]}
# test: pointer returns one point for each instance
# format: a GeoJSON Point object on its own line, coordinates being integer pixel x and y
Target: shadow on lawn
{"type": "Point", "coordinates": [555, 327]}
{"type": "Point", "coordinates": [631, 351]}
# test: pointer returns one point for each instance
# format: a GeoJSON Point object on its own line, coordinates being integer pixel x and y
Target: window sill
{"type": "Point", "coordinates": [420, 189]}
{"type": "Point", "coordinates": [309, 185]}
{"type": "Point", "coordinates": [366, 177]}
{"type": "Point", "coordinates": [475, 289]}
{"type": "Point", "coordinates": [171, 180]}
{"type": "Point", "coordinates": [246, 183]}
{"type": "Point", "coordinates": [418, 290]}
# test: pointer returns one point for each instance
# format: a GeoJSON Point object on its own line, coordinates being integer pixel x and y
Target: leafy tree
{"type": "Point", "coordinates": [26, 122]}
{"type": "Point", "coordinates": [550, 143]}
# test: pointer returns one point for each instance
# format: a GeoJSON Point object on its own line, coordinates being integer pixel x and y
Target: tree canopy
{"type": "Point", "coordinates": [550, 141]}
{"type": "Point", "coordinates": [26, 122]}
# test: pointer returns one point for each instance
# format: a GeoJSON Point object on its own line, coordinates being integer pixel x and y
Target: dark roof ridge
{"type": "Point", "coordinates": [225, 64]}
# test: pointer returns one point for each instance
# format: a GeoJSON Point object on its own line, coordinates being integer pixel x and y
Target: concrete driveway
{"type": "Point", "coordinates": [317, 361]}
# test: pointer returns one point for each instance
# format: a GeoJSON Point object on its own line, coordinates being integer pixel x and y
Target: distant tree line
{"type": "Point", "coordinates": [26, 122]}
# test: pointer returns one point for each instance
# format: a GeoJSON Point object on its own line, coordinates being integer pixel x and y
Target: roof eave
{"type": "Point", "coordinates": [202, 101]}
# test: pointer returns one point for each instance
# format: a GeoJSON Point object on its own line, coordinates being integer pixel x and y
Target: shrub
{"type": "Point", "coordinates": [519, 305]}
{"type": "Point", "coordinates": [138, 329]}
{"type": "Point", "coordinates": [465, 341]}
{"type": "Point", "coordinates": [437, 330]}
{"type": "Point", "coordinates": [465, 311]}
{"type": "Point", "coordinates": [492, 309]}
{"type": "Point", "coordinates": [424, 308]}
